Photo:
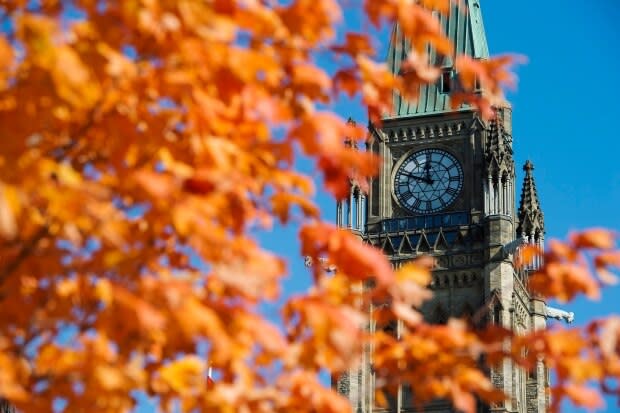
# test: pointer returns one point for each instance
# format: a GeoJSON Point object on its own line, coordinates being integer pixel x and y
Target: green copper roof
{"type": "Point", "coordinates": [464, 27]}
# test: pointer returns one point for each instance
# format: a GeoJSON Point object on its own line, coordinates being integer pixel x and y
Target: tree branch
{"type": "Point", "coordinates": [23, 254]}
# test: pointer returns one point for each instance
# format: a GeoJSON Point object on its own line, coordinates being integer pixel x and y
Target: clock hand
{"type": "Point", "coordinates": [419, 178]}
{"type": "Point", "coordinates": [427, 170]}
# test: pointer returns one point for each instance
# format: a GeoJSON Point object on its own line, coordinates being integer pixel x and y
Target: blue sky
{"type": "Point", "coordinates": [565, 120]}
{"type": "Point", "coordinates": [564, 112]}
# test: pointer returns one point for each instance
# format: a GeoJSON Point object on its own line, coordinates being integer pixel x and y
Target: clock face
{"type": "Point", "coordinates": [428, 181]}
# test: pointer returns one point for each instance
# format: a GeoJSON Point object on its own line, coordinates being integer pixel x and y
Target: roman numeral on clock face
{"type": "Point", "coordinates": [406, 196]}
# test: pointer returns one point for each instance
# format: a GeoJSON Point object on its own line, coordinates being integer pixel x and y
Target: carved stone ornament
{"type": "Point", "coordinates": [558, 314]}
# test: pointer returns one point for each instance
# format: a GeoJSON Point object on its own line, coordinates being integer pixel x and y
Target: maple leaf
{"type": "Point", "coordinates": [605, 260]}
{"type": "Point", "coordinates": [311, 80]}
{"type": "Point", "coordinates": [8, 206]}
{"type": "Point", "coordinates": [527, 254]}
{"type": "Point", "coordinates": [492, 75]}
{"type": "Point", "coordinates": [6, 56]}
{"type": "Point", "coordinates": [583, 396]}
{"type": "Point", "coordinates": [354, 44]}
{"type": "Point", "coordinates": [346, 80]}
{"type": "Point", "coordinates": [561, 250]}
{"type": "Point", "coordinates": [184, 374]}
{"type": "Point", "coordinates": [594, 238]}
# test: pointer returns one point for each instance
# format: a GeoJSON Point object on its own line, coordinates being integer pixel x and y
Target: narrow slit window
{"type": "Point", "coordinates": [446, 81]}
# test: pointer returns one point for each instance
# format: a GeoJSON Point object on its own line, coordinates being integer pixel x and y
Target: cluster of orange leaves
{"type": "Point", "coordinates": [567, 267]}
{"type": "Point", "coordinates": [142, 143]}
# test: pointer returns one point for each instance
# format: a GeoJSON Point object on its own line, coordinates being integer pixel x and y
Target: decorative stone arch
{"type": "Point", "coordinates": [439, 315]}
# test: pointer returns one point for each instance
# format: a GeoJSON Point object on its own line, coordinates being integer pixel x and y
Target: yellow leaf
{"type": "Point", "coordinates": [9, 204]}
{"type": "Point", "coordinates": [184, 374]}
{"type": "Point", "coordinates": [103, 291]}
{"type": "Point", "coordinates": [413, 271]}
{"type": "Point", "coordinates": [52, 358]}
{"type": "Point", "coordinates": [66, 287]}
{"type": "Point", "coordinates": [112, 258]}
{"type": "Point", "coordinates": [72, 79]}
{"type": "Point", "coordinates": [68, 175]}
{"type": "Point", "coordinates": [110, 378]}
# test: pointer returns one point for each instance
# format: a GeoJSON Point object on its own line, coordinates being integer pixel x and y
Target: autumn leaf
{"type": "Point", "coordinates": [527, 254]}
{"type": "Point", "coordinates": [416, 271]}
{"type": "Point", "coordinates": [109, 378]}
{"type": "Point", "coordinates": [346, 80]}
{"type": "Point", "coordinates": [311, 80]}
{"type": "Point", "coordinates": [6, 56]}
{"type": "Point", "coordinates": [562, 251]}
{"type": "Point", "coordinates": [185, 374]}
{"type": "Point", "coordinates": [284, 202]}
{"type": "Point", "coordinates": [491, 75]}
{"type": "Point", "coordinates": [594, 238]}
{"type": "Point", "coordinates": [73, 81]}
{"type": "Point", "coordinates": [148, 317]}
{"type": "Point", "coordinates": [8, 206]}
{"type": "Point", "coordinates": [583, 396]}
{"type": "Point", "coordinates": [605, 260]}
{"type": "Point", "coordinates": [354, 44]}
{"type": "Point", "coordinates": [564, 281]}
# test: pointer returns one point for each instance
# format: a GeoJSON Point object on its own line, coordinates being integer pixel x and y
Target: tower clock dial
{"type": "Point", "coordinates": [428, 181]}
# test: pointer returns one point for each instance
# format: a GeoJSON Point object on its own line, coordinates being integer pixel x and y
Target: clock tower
{"type": "Point", "coordinates": [446, 187]}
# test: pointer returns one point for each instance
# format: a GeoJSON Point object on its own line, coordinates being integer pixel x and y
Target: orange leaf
{"type": "Point", "coordinates": [311, 80]}
{"type": "Point", "coordinates": [185, 374]}
{"type": "Point", "coordinates": [583, 396]}
{"type": "Point", "coordinates": [283, 202]}
{"type": "Point", "coordinates": [6, 56]}
{"type": "Point", "coordinates": [527, 254]}
{"type": "Point", "coordinates": [608, 259]}
{"type": "Point", "coordinates": [156, 184]}
{"type": "Point", "coordinates": [604, 260]}
{"type": "Point", "coordinates": [564, 281]}
{"type": "Point", "coordinates": [346, 80]}
{"type": "Point", "coordinates": [149, 317]}
{"type": "Point", "coordinates": [8, 221]}
{"type": "Point", "coordinates": [355, 259]}
{"type": "Point", "coordinates": [354, 44]}
{"type": "Point", "coordinates": [594, 238]}
{"type": "Point", "coordinates": [561, 250]}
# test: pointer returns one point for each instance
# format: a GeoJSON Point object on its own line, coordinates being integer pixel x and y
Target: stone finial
{"type": "Point", "coordinates": [495, 140]}
{"type": "Point", "coordinates": [348, 142]}
{"type": "Point", "coordinates": [498, 149]}
{"type": "Point", "coordinates": [530, 215]}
